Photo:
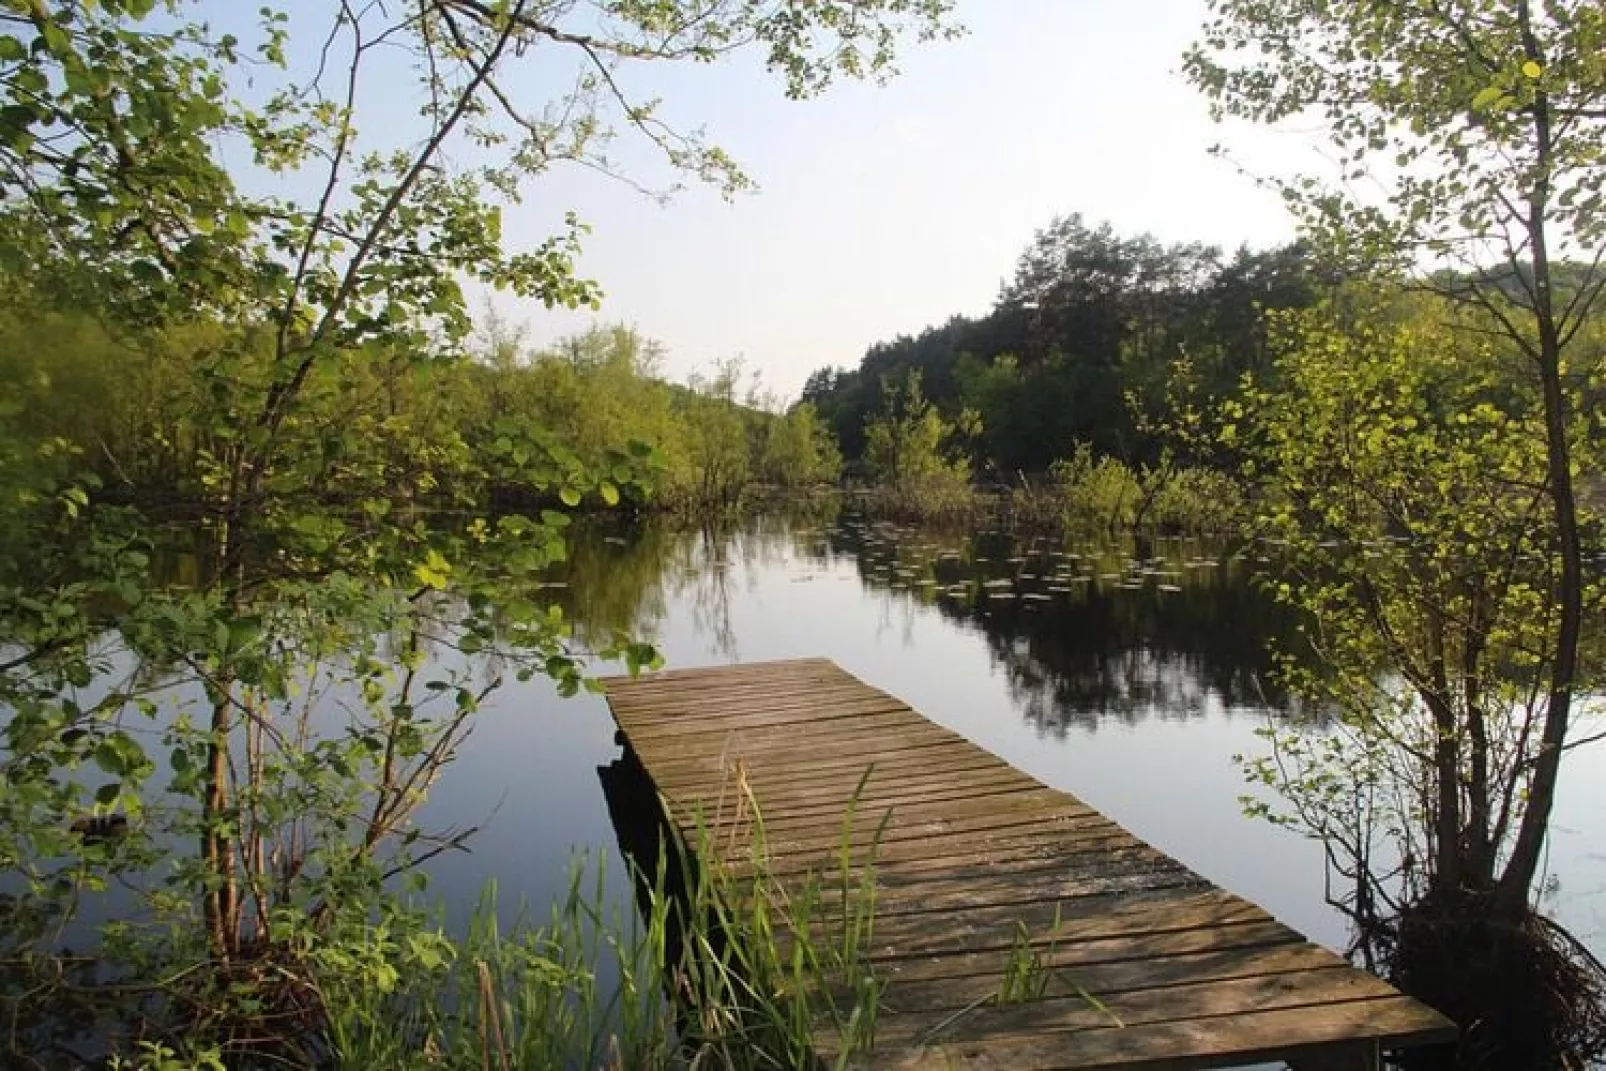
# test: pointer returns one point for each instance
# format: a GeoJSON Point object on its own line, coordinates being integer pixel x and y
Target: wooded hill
{"type": "Point", "coordinates": [1080, 346]}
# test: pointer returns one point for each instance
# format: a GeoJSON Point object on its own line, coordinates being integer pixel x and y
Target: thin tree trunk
{"type": "Point", "coordinates": [1517, 880]}
{"type": "Point", "coordinates": [219, 900]}
{"type": "Point", "coordinates": [1479, 848]}
{"type": "Point", "coordinates": [217, 850]}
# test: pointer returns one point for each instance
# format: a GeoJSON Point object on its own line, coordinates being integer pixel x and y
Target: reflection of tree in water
{"type": "Point", "coordinates": [1105, 652]}
{"type": "Point", "coordinates": [719, 549]}
{"type": "Point", "coordinates": [726, 549]}
{"type": "Point", "coordinates": [1190, 630]}
{"type": "Point", "coordinates": [618, 579]}
{"type": "Point", "coordinates": [613, 580]}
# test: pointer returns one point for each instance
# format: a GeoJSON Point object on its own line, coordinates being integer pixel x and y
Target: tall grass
{"type": "Point", "coordinates": [726, 964]}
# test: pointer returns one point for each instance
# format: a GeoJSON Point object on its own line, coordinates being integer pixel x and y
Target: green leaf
{"type": "Point", "coordinates": [56, 40]}
{"type": "Point", "coordinates": [610, 493]}
{"type": "Point", "coordinates": [570, 497]}
{"type": "Point", "coordinates": [108, 758]}
{"type": "Point", "coordinates": [433, 571]}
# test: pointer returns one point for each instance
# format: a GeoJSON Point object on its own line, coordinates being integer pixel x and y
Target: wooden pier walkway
{"type": "Point", "coordinates": [1180, 973]}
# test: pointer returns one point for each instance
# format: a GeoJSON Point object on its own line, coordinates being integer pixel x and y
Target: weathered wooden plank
{"type": "Point", "coordinates": [1096, 917]}
{"type": "Point", "coordinates": [1201, 1042]}
{"type": "Point", "coordinates": [972, 863]}
{"type": "Point", "coordinates": [943, 893]}
{"type": "Point", "coordinates": [1011, 884]}
{"type": "Point", "coordinates": [1183, 907]}
{"type": "Point", "coordinates": [1065, 979]}
{"type": "Point", "coordinates": [941, 851]}
{"type": "Point", "coordinates": [893, 876]}
{"type": "Point", "coordinates": [827, 813]}
{"type": "Point", "coordinates": [779, 843]}
{"type": "Point", "coordinates": [975, 896]}
{"type": "Point", "coordinates": [951, 753]}
{"type": "Point", "coordinates": [831, 815]}
{"type": "Point", "coordinates": [762, 717]}
{"type": "Point", "coordinates": [834, 803]}
{"type": "Point", "coordinates": [955, 812]}
{"type": "Point", "coordinates": [779, 791]}
{"type": "Point", "coordinates": [732, 746]}
{"type": "Point", "coordinates": [941, 752]}
{"type": "Point", "coordinates": [901, 867]}
{"type": "Point", "coordinates": [1077, 954]}
{"type": "Point", "coordinates": [1200, 1000]}
{"type": "Point", "coordinates": [661, 713]}
{"type": "Point", "coordinates": [732, 740]}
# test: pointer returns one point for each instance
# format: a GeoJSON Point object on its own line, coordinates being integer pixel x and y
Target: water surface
{"type": "Point", "coordinates": [1130, 676]}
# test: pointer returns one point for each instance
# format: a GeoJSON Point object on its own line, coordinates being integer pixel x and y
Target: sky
{"type": "Point", "coordinates": [881, 210]}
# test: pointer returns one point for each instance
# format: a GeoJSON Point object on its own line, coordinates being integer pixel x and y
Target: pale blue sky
{"type": "Point", "coordinates": [882, 210]}
{"type": "Point", "coordinates": [885, 209]}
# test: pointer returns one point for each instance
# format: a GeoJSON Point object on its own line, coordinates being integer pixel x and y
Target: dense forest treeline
{"type": "Point", "coordinates": [1083, 372]}
{"type": "Point", "coordinates": [1080, 372]}
{"type": "Point", "coordinates": [1100, 379]}
{"type": "Point", "coordinates": [1081, 347]}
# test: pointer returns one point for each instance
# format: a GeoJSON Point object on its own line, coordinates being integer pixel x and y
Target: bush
{"type": "Point", "coordinates": [1095, 495]}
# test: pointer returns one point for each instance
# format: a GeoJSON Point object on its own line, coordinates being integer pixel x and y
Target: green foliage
{"type": "Point", "coordinates": [1103, 496]}
{"type": "Point", "coordinates": [1096, 495]}
{"type": "Point", "coordinates": [911, 448]}
{"type": "Point", "coordinates": [1089, 319]}
{"type": "Point", "coordinates": [799, 451]}
{"type": "Point", "coordinates": [1403, 480]}
{"type": "Point", "coordinates": [1447, 100]}
{"type": "Point", "coordinates": [272, 389]}
{"type": "Point", "coordinates": [736, 969]}
{"type": "Point", "coordinates": [720, 442]}
{"type": "Point", "coordinates": [1198, 500]}
{"type": "Point", "coordinates": [1479, 126]}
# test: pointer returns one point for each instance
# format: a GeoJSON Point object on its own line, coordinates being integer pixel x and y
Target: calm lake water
{"type": "Point", "coordinates": [1130, 676]}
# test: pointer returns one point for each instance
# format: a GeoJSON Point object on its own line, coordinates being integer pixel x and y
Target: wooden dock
{"type": "Point", "coordinates": [1142, 962]}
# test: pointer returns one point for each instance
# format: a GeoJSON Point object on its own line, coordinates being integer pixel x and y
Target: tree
{"type": "Point", "coordinates": [910, 447]}
{"type": "Point", "coordinates": [1481, 122]}
{"type": "Point", "coordinates": [1089, 292]}
{"type": "Point", "coordinates": [721, 452]}
{"type": "Point", "coordinates": [1089, 317]}
{"type": "Point", "coordinates": [1403, 466]}
{"type": "Point", "coordinates": [1402, 462]}
{"type": "Point", "coordinates": [799, 450]}
{"type": "Point", "coordinates": [133, 151]}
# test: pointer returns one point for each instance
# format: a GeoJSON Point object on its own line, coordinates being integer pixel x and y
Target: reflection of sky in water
{"type": "Point", "coordinates": [1132, 696]}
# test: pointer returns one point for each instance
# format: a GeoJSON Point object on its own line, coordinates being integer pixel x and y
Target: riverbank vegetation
{"type": "Point", "coordinates": [135, 413]}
